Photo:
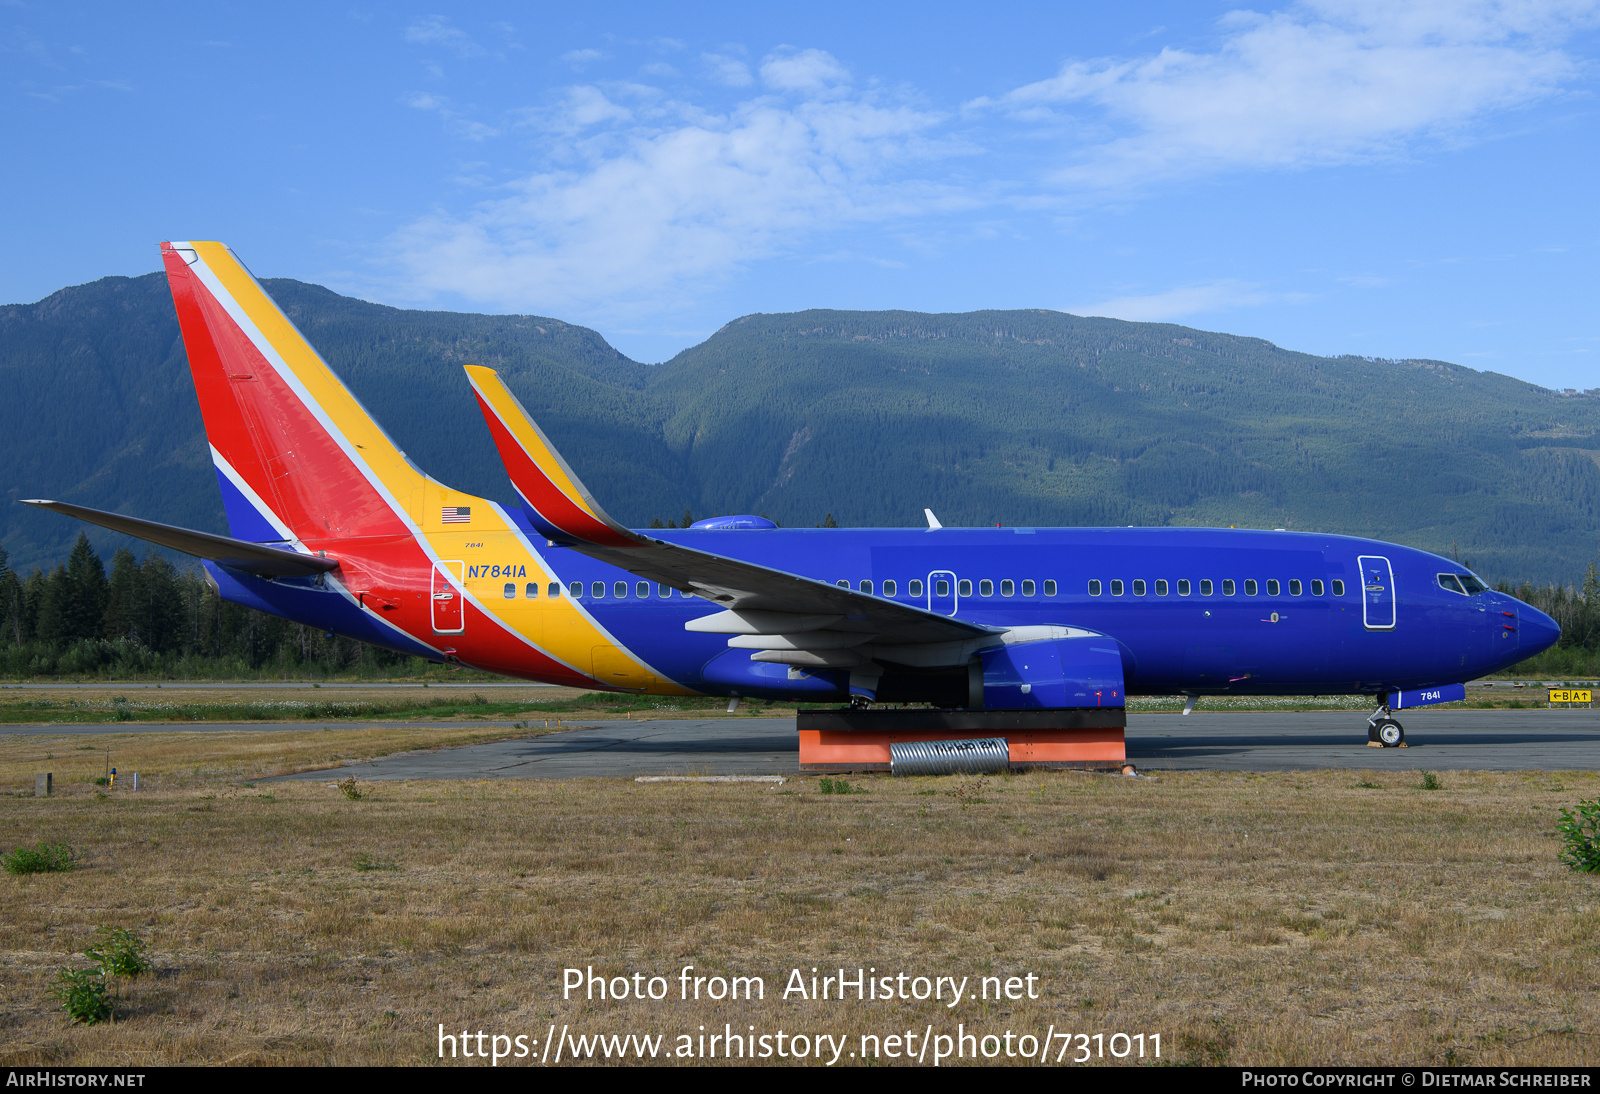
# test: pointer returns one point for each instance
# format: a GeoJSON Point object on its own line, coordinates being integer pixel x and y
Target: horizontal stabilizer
{"type": "Point", "coordinates": [253, 558]}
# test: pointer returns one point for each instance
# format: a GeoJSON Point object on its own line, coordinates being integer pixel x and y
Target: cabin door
{"type": "Point", "coordinates": [447, 617]}
{"type": "Point", "coordinates": [1377, 592]}
{"type": "Point", "coordinates": [942, 598]}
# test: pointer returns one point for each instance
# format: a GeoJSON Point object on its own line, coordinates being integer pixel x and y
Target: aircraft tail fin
{"type": "Point", "coordinates": [559, 505]}
{"type": "Point", "coordinates": [297, 457]}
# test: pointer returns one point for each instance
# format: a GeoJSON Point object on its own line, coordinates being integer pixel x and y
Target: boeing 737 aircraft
{"type": "Point", "coordinates": [333, 526]}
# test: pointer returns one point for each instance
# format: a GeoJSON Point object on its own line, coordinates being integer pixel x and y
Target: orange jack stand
{"type": "Point", "coordinates": [841, 741]}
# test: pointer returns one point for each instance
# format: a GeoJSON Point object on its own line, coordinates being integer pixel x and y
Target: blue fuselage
{"type": "Point", "coordinates": [1300, 618]}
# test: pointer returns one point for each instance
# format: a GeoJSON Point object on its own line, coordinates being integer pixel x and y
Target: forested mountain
{"type": "Point", "coordinates": [1019, 417]}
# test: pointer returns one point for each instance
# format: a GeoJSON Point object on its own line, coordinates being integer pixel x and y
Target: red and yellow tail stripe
{"type": "Point", "coordinates": [561, 504]}
{"type": "Point", "coordinates": [298, 447]}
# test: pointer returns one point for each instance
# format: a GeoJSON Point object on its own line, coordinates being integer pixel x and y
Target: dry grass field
{"type": "Point", "coordinates": [1264, 919]}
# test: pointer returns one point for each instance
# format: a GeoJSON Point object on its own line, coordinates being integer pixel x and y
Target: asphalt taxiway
{"type": "Point", "coordinates": [1438, 740]}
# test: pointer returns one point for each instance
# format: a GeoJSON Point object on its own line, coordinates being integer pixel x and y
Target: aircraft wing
{"type": "Point", "coordinates": [760, 600]}
{"type": "Point", "coordinates": [240, 554]}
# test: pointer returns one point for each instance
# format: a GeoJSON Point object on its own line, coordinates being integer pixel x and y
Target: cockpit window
{"type": "Point", "coordinates": [1472, 584]}
{"type": "Point", "coordinates": [1452, 583]}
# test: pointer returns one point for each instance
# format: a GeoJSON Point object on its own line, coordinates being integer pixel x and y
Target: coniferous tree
{"type": "Point", "coordinates": [84, 607]}
{"type": "Point", "coordinates": [160, 613]}
{"type": "Point", "coordinates": [122, 599]}
{"type": "Point", "coordinates": [33, 596]}
{"type": "Point", "coordinates": [10, 602]}
{"type": "Point", "coordinates": [52, 615]}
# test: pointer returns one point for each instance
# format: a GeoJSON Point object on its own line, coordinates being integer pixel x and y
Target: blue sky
{"type": "Point", "coordinates": [1339, 177]}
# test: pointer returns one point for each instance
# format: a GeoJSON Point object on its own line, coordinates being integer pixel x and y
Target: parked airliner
{"type": "Point", "coordinates": [333, 526]}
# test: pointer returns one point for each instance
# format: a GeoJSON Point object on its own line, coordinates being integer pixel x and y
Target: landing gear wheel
{"type": "Point", "coordinates": [1390, 733]}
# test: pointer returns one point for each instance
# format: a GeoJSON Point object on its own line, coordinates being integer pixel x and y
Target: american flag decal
{"type": "Point", "coordinates": [457, 514]}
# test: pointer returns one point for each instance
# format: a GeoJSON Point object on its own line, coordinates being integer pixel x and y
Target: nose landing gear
{"type": "Point", "coordinates": [1383, 731]}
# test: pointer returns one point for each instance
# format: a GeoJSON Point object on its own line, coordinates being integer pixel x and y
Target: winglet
{"type": "Point", "coordinates": [560, 506]}
{"type": "Point", "coordinates": [933, 521]}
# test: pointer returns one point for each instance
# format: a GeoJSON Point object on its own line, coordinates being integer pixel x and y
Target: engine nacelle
{"type": "Point", "coordinates": [765, 680]}
{"type": "Point", "coordinates": [1081, 671]}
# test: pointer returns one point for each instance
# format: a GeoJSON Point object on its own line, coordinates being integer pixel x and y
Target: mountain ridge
{"type": "Point", "coordinates": [1020, 417]}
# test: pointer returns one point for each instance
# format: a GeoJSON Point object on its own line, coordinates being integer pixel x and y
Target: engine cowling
{"type": "Point", "coordinates": [1081, 671]}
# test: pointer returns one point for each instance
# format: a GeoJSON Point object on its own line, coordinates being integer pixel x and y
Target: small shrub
{"type": "Point", "coordinates": [1430, 781]}
{"type": "Point", "coordinates": [101, 780]}
{"type": "Point", "coordinates": [348, 789]}
{"type": "Point", "coordinates": [47, 858]}
{"type": "Point", "coordinates": [840, 786]}
{"type": "Point", "coordinates": [1580, 837]}
{"type": "Point", "coordinates": [969, 792]}
{"type": "Point", "coordinates": [83, 995]}
{"type": "Point", "coordinates": [119, 953]}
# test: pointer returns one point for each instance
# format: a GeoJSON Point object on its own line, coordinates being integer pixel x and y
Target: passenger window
{"type": "Point", "coordinates": [964, 587]}
{"type": "Point", "coordinates": [842, 583]}
{"type": "Point", "coordinates": [941, 587]}
{"type": "Point", "coordinates": [1205, 586]}
{"type": "Point", "coordinates": [1161, 586]}
{"type": "Point", "coordinates": [1338, 587]}
{"type": "Point", "coordinates": [1138, 587]}
{"type": "Point", "coordinates": [1227, 586]}
{"type": "Point", "coordinates": [577, 590]}
{"type": "Point", "coordinates": [986, 587]}
{"type": "Point", "coordinates": [864, 586]}
{"type": "Point", "coordinates": [620, 590]}
{"type": "Point", "coordinates": [1116, 587]}
{"type": "Point", "coordinates": [597, 589]}
{"type": "Point", "coordinates": [1272, 586]}
{"type": "Point", "coordinates": [511, 590]}
{"type": "Point", "coordinates": [1007, 587]}
{"type": "Point", "coordinates": [1452, 583]}
{"type": "Point", "coordinates": [664, 591]}
{"type": "Point", "coordinates": [1316, 588]}
{"type": "Point", "coordinates": [1050, 587]}
{"type": "Point", "coordinates": [553, 591]}
{"type": "Point", "coordinates": [1294, 586]}
{"type": "Point", "coordinates": [532, 591]}
{"type": "Point", "coordinates": [1183, 586]}
{"type": "Point", "coordinates": [641, 589]}
{"type": "Point", "coordinates": [888, 587]}
{"type": "Point", "coordinates": [1027, 588]}
{"type": "Point", "coordinates": [1249, 586]}
{"type": "Point", "coordinates": [914, 587]}
{"type": "Point", "coordinates": [1094, 587]}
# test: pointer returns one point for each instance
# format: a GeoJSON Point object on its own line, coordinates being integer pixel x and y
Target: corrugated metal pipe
{"type": "Point", "coordinates": [984, 756]}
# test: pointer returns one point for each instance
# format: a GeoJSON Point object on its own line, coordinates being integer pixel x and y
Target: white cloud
{"type": "Point", "coordinates": [1326, 82]}
{"type": "Point", "coordinates": [810, 70]}
{"type": "Point", "coordinates": [454, 123]}
{"type": "Point", "coordinates": [1213, 296]}
{"type": "Point", "coordinates": [435, 30]}
{"type": "Point", "coordinates": [728, 71]}
{"type": "Point", "coordinates": [582, 56]}
{"type": "Point", "coordinates": [639, 201]}
{"type": "Point", "coordinates": [656, 212]}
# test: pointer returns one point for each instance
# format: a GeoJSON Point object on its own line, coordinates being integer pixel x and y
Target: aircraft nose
{"type": "Point", "coordinates": [1536, 631]}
